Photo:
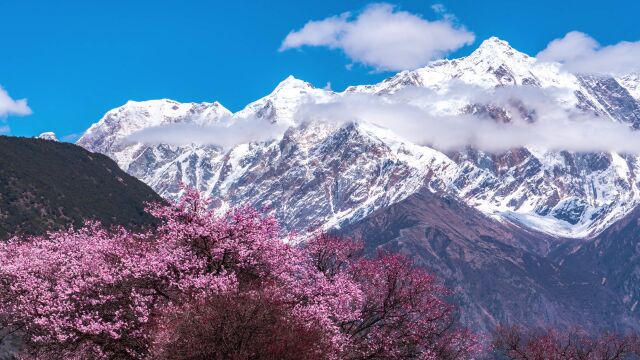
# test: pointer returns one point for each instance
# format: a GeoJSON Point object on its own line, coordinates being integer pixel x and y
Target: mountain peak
{"type": "Point", "coordinates": [47, 136]}
{"type": "Point", "coordinates": [494, 47]}
{"type": "Point", "coordinates": [493, 42]}
{"type": "Point", "coordinates": [290, 82]}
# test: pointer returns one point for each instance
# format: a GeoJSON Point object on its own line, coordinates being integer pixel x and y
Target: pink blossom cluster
{"type": "Point", "coordinates": [516, 343]}
{"type": "Point", "coordinates": [202, 281]}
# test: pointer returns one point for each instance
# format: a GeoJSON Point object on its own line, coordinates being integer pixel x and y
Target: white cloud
{"type": "Point", "coordinates": [383, 37]}
{"type": "Point", "coordinates": [9, 106]}
{"type": "Point", "coordinates": [414, 115]}
{"type": "Point", "coordinates": [535, 117]}
{"type": "Point", "coordinates": [580, 53]}
{"type": "Point", "coordinates": [570, 47]}
{"type": "Point", "coordinates": [227, 133]}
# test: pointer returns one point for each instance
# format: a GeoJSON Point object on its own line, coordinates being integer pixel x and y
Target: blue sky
{"type": "Point", "coordinates": [75, 60]}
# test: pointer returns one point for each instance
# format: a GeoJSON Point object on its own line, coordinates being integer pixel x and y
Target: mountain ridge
{"type": "Point", "coordinates": [528, 210]}
{"type": "Point", "coordinates": [497, 195]}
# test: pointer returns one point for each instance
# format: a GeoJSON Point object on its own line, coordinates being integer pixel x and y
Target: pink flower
{"type": "Point", "coordinates": [112, 293]}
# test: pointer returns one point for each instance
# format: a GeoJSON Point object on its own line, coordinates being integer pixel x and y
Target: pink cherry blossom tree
{"type": "Point", "coordinates": [209, 286]}
{"type": "Point", "coordinates": [403, 314]}
{"type": "Point", "coordinates": [516, 343]}
{"type": "Point", "coordinates": [238, 326]}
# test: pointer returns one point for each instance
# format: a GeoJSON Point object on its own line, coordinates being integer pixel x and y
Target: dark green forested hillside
{"type": "Point", "coordinates": [46, 184]}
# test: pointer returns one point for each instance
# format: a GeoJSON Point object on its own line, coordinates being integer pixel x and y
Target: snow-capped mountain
{"type": "Point", "coordinates": [325, 175]}
{"type": "Point", "coordinates": [47, 136]}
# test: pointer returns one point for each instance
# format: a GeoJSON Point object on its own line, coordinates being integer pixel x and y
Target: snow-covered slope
{"type": "Point", "coordinates": [492, 64]}
{"type": "Point", "coordinates": [324, 175]}
{"type": "Point", "coordinates": [108, 135]}
{"type": "Point", "coordinates": [631, 83]}
{"type": "Point", "coordinates": [280, 106]}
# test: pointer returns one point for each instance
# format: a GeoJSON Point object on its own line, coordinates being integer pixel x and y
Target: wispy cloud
{"type": "Point", "coordinates": [508, 117]}
{"type": "Point", "coordinates": [581, 53]}
{"type": "Point", "coordinates": [9, 106]}
{"type": "Point", "coordinates": [227, 133]}
{"type": "Point", "coordinates": [384, 37]}
{"type": "Point", "coordinates": [439, 8]}
{"type": "Point", "coordinates": [542, 123]}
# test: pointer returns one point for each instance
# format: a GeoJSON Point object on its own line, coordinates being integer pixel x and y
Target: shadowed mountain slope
{"type": "Point", "coordinates": [45, 185]}
{"type": "Point", "coordinates": [497, 278]}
